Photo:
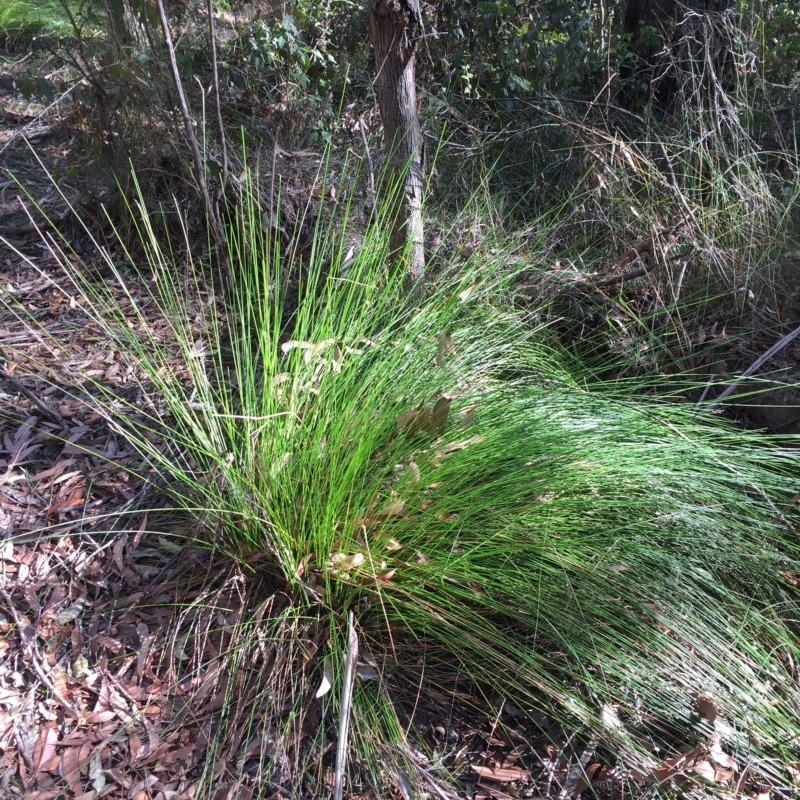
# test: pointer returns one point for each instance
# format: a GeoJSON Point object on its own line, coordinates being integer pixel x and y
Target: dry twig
{"type": "Point", "coordinates": [344, 711]}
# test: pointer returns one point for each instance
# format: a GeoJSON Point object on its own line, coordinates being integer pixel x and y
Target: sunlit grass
{"type": "Point", "coordinates": [485, 511]}
{"type": "Point", "coordinates": [23, 19]}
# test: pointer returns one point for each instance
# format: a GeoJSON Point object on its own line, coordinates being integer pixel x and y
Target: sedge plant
{"type": "Point", "coordinates": [491, 515]}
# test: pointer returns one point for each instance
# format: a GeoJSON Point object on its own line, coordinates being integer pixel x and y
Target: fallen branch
{"type": "Point", "coordinates": [776, 348]}
{"type": "Point", "coordinates": [53, 416]}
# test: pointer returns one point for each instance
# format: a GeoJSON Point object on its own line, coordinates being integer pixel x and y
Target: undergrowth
{"type": "Point", "coordinates": [490, 513]}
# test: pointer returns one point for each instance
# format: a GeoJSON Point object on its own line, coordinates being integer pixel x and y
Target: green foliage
{"type": "Point", "coordinates": [24, 19]}
{"type": "Point", "coordinates": [279, 45]}
{"type": "Point", "coordinates": [778, 23]}
{"type": "Point", "coordinates": [300, 72]}
{"type": "Point", "coordinates": [506, 49]}
{"type": "Point", "coordinates": [570, 545]}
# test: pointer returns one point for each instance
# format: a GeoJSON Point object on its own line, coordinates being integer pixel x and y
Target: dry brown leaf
{"type": "Point", "coordinates": [145, 641]}
{"type": "Point", "coordinates": [117, 552]}
{"type": "Point", "coordinates": [95, 717]}
{"type": "Point", "coordinates": [45, 757]}
{"type": "Point", "coordinates": [53, 472]}
{"type": "Point", "coordinates": [310, 349]}
{"type": "Point", "coordinates": [445, 348]}
{"type": "Point", "coordinates": [59, 680]}
{"type": "Point", "coordinates": [500, 774]}
{"type": "Point", "coordinates": [467, 415]}
{"type": "Point", "coordinates": [327, 678]}
{"type": "Point", "coordinates": [705, 769]}
{"type": "Point", "coordinates": [74, 498]}
{"type": "Point", "coordinates": [109, 698]}
{"type": "Point", "coordinates": [344, 562]}
{"type": "Point", "coordinates": [720, 757]}
{"type": "Point", "coordinates": [114, 645]}
{"type": "Point", "coordinates": [135, 746]}
{"type": "Point", "coordinates": [392, 544]}
{"type": "Point", "coordinates": [453, 447]}
{"type": "Point", "coordinates": [441, 410]}
{"type": "Point", "coordinates": [706, 707]}
{"type": "Point", "coordinates": [585, 780]}
{"type": "Point", "coordinates": [465, 295]}
{"type": "Point", "coordinates": [491, 793]}
{"type": "Point", "coordinates": [71, 612]}
{"type": "Point", "coordinates": [414, 420]}
{"type": "Point", "coordinates": [72, 760]}
{"type": "Point", "coordinates": [394, 509]}
{"type": "Point", "coordinates": [153, 739]}
{"type": "Point", "coordinates": [676, 765]}
{"type": "Point", "coordinates": [139, 790]}
{"type": "Point", "coordinates": [302, 567]}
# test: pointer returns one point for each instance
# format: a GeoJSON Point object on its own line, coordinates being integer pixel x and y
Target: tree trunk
{"type": "Point", "coordinates": [672, 62]}
{"type": "Point", "coordinates": [649, 12]}
{"type": "Point", "coordinates": [395, 26]}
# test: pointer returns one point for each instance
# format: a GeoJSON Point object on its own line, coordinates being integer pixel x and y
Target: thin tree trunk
{"type": "Point", "coordinates": [211, 204]}
{"type": "Point", "coordinates": [396, 26]}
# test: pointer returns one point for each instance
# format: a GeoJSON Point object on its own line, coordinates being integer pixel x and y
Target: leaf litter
{"type": "Point", "coordinates": [88, 683]}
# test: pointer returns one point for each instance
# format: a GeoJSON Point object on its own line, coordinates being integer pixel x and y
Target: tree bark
{"type": "Point", "coordinates": [637, 12]}
{"type": "Point", "coordinates": [657, 62]}
{"type": "Point", "coordinates": [396, 26]}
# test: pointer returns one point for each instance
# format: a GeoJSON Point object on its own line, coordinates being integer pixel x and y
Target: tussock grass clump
{"type": "Point", "coordinates": [485, 513]}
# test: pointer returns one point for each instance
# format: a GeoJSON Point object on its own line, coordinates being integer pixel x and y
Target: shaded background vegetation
{"type": "Point", "coordinates": [543, 97]}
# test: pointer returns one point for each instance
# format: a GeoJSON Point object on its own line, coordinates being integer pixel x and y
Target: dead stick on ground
{"type": "Point", "coordinates": [778, 346]}
{"type": "Point", "coordinates": [344, 711]}
{"type": "Point", "coordinates": [52, 415]}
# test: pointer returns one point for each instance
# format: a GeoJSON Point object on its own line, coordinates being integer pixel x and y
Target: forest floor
{"type": "Point", "coordinates": [103, 603]}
